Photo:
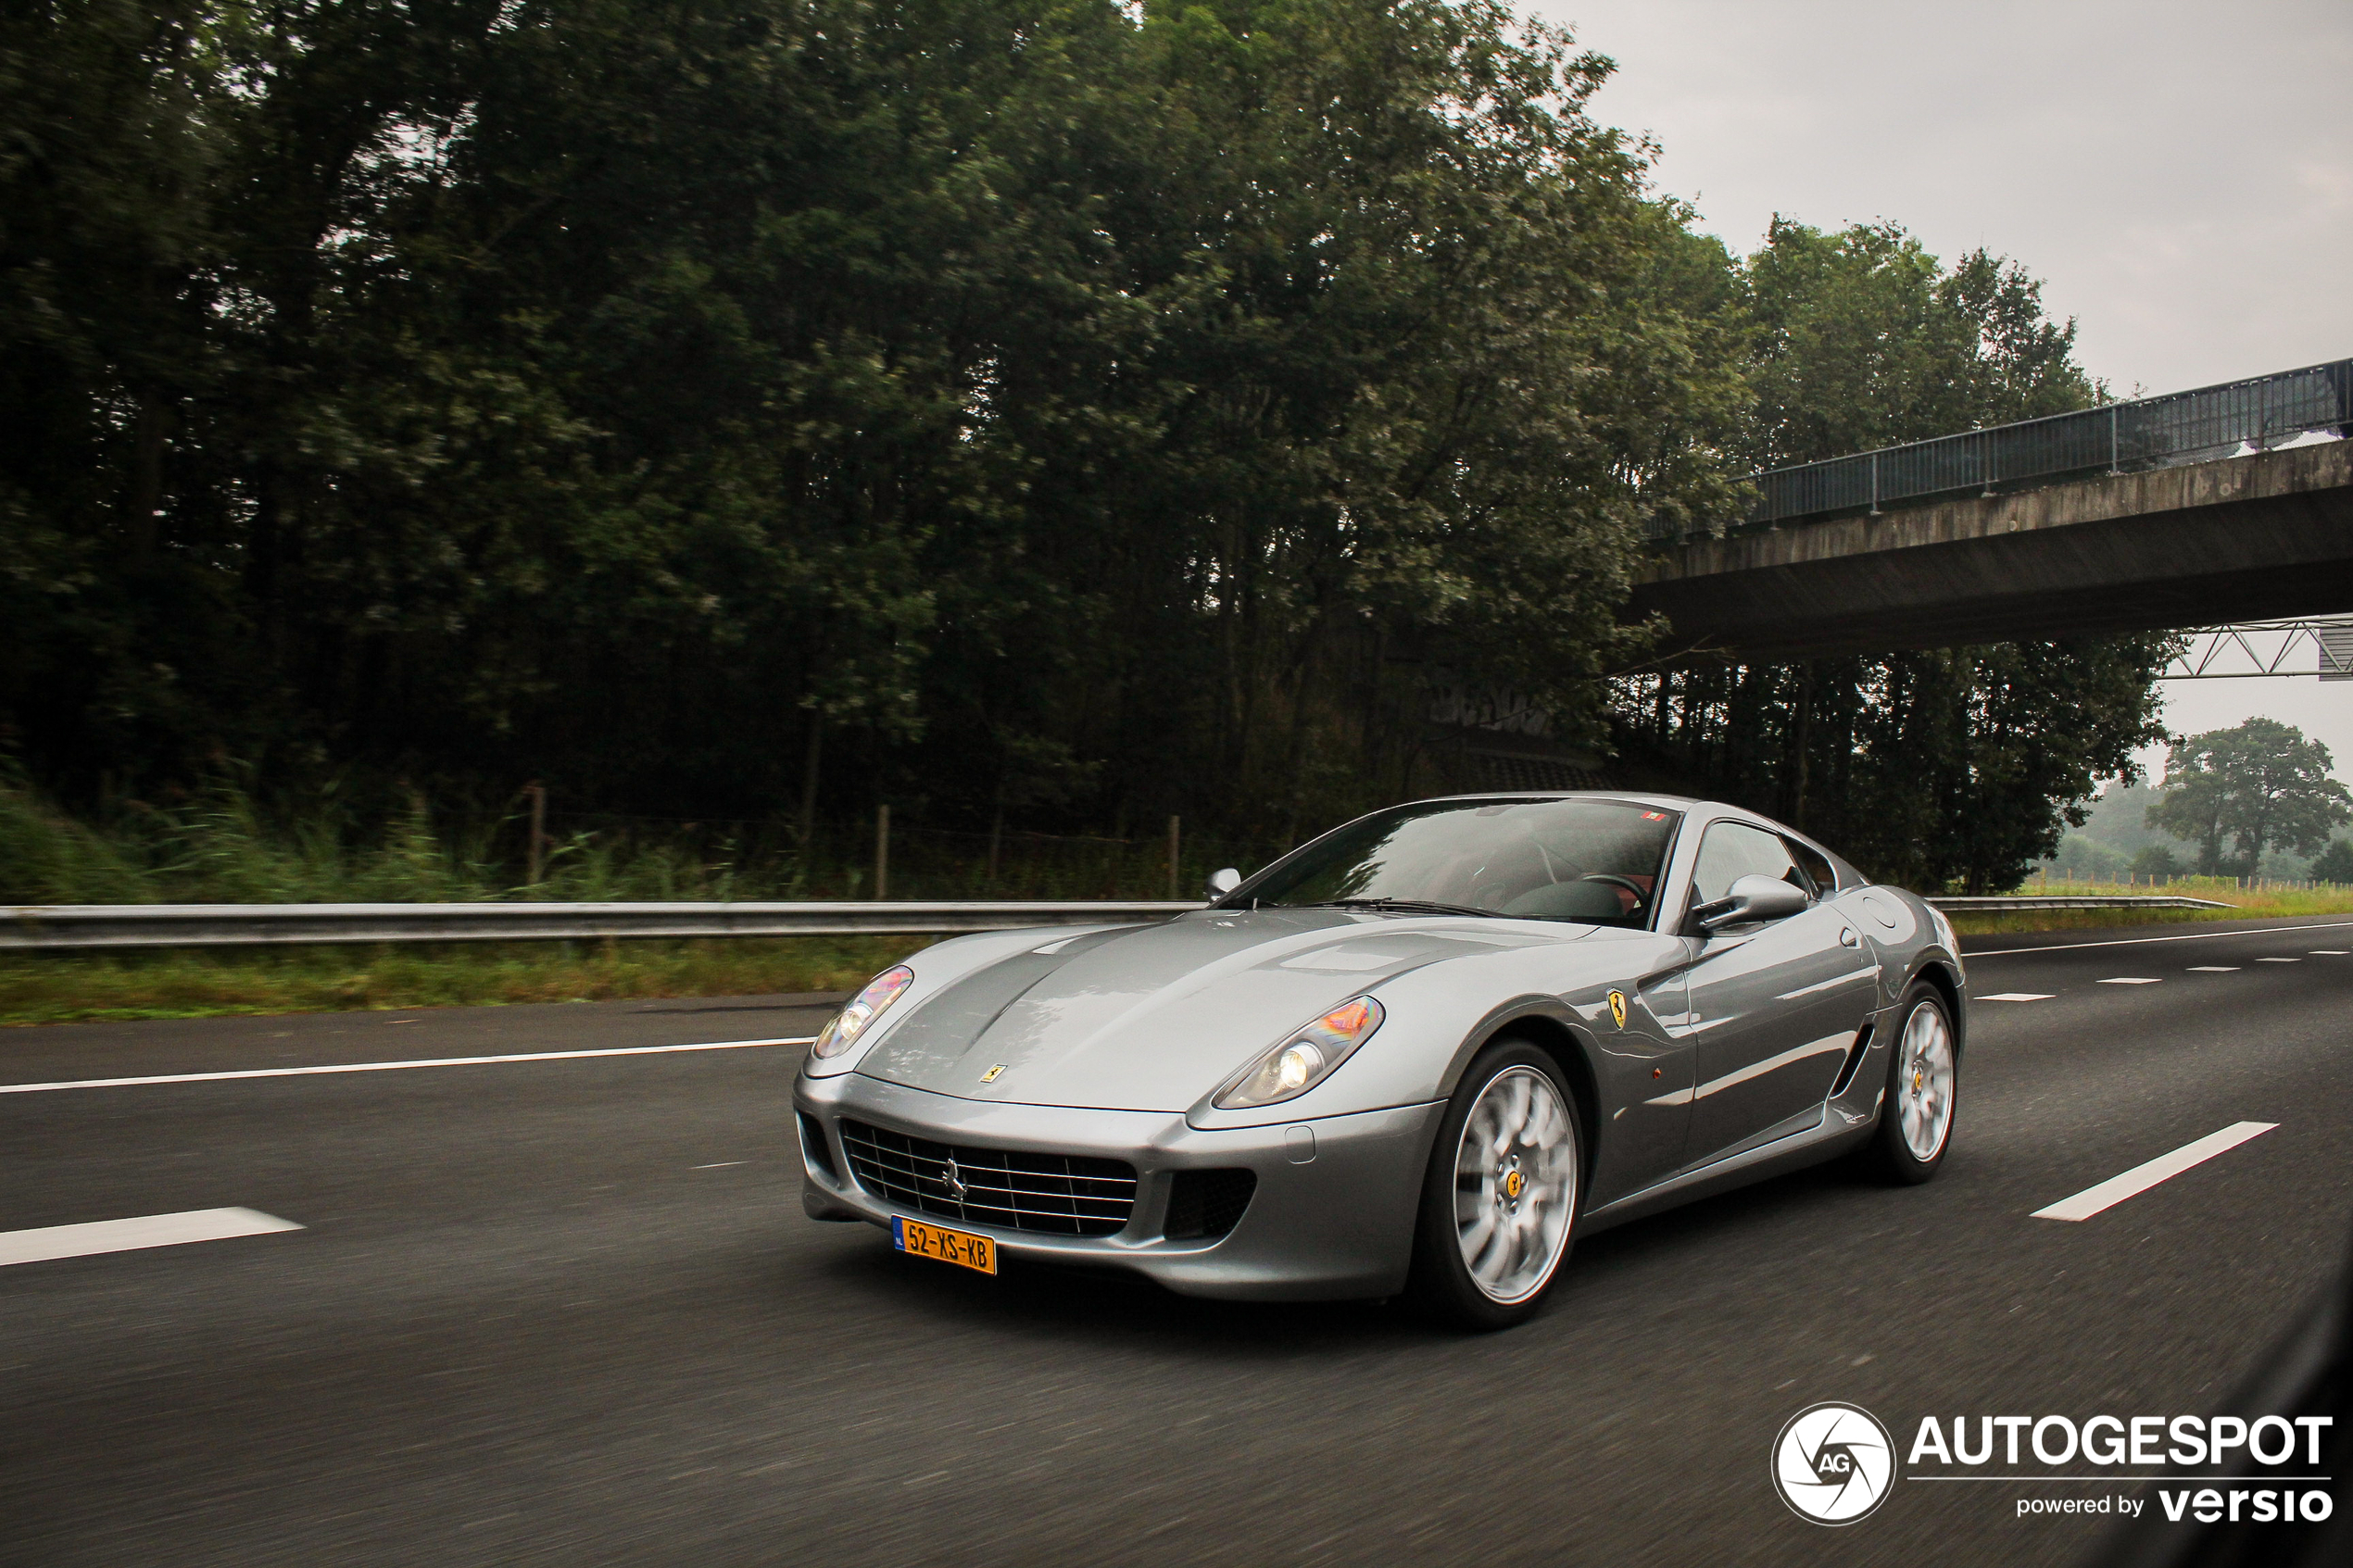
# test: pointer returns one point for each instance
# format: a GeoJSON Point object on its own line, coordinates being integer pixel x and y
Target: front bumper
{"type": "Point", "coordinates": [1332, 1217]}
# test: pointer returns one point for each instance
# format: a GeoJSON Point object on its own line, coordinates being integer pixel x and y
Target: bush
{"type": "Point", "coordinates": [2155, 863]}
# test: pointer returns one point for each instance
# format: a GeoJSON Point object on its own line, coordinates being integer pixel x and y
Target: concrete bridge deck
{"type": "Point", "coordinates": [2251, 538]}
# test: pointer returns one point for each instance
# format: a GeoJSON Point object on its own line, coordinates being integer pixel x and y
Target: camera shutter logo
{"type": "Point", "coordinates": [1834, 1463]}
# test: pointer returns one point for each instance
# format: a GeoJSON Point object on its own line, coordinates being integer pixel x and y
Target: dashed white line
{"type": "Point", "coordinates": [2279, 960]}
{"type": "Point", "coordinates": [2141, 941]}
{"type": "Point", "coordinates": [389, 1066]}
{"type": "Point", "coordinates": [2140, 1178]}
{"type": "Point", "coordinates": [2131, 980]}
{"type": "Point", "coordinates": [2016, 997]}
{"type": "Point", "coordinates": [2214, 968]}
{"type": "Point", "coordinates": [126, 1236]}
{"type": "Point", "coordinates": [2331, 953]}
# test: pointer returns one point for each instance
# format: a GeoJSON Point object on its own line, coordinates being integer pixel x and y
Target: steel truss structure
{"type": "Point", "coordinates": [2321, 646]}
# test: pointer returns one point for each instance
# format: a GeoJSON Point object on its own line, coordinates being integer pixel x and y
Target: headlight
{"type": "Point", "coordinates": [864, 1008]}
{"type": "Point", "coordinates": [1305, 1059]}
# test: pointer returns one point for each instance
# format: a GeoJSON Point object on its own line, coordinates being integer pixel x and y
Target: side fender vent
{"type": "Point", "coordinates": [1853, 1060]}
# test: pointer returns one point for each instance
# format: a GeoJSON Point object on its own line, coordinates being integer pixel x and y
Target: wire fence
{"type": "Point", "coordinates": [2045, 881]}
{"type": "Point", "coordinates": [2234, 419]}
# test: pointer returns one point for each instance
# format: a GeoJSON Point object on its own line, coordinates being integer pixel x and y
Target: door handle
{"type": "Point", "coordinates": [1846, 938]}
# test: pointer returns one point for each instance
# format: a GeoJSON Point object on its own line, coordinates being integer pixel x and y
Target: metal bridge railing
{"type": "Point", "coordinates": [2183, 427]}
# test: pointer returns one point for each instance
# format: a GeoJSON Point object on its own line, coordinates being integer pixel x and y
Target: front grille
{"type": "Point", "coordinates": [1055, 1194]}
{"type": "Point", "coordinates": [1207, 1203]}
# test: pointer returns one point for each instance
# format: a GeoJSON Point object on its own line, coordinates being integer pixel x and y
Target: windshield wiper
{"type": "Point", "coordinates": [1406, 906]}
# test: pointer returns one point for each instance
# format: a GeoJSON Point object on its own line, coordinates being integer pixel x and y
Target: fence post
{"type": "Point", "coordinates": [882, 853]}
{"type": "Point", "coordinates": [2114, 466]}
{"type": "Point", "coordinates": [1875, 484]}
{"type": "Point", "coordinates": [536, 854]}
{"type": "Point", "coordinates": [1173, 844]}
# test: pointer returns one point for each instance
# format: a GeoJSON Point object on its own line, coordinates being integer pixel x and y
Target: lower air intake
{"type": "Point", "coordinates": [1207, 1203]}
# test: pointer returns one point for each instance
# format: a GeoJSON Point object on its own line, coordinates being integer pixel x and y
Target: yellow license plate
{"type": "Point", "coordinates": [961, 1248]}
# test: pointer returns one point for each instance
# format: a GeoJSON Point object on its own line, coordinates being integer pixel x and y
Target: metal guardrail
{"type": "Point", "coordinates": [2151, 433]}
{"type": "Point", "coordinates": [1996, 904]}
{"type": "Point", "coordinates": [82, 927]}
{"type": "Point", "coordinates": [55, 927]}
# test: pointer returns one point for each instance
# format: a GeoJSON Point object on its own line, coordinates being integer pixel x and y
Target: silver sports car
{"type": "Point", "coordinates": [1419, 1054]}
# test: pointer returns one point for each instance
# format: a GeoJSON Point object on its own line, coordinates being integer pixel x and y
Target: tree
{"type": "Point", "coordinates": [1955, 765]}
{"type": "Point", "coordinates": [2261, 786]}
{"type": "Point", "coordinates": [2156, 863]}
{"type": "Point", "coordinates": [2335, 863]}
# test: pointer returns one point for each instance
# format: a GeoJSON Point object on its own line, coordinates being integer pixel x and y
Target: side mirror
{"type": "Point", "coordinates": [1222, 883]}
{"type": "Point", "coordinates": [1754, 898]}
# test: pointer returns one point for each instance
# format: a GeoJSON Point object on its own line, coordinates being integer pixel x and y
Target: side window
{"type": "Point", "coordinates": [1733, 851]}
{"type": "Point", "coordinates": [1816, 866]}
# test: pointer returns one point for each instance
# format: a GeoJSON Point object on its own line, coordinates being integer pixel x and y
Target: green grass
{"type": "Point", "coordinates": [64, 988]}
{"type": "Point", "coordinates": [2261, 903]}
{"type": "Point", "coordinates": [224, 845]}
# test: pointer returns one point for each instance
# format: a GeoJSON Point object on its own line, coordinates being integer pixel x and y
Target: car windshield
{"type": "Point", "coordinates": [1592, 861]}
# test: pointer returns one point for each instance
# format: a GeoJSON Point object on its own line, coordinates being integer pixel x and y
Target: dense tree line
{"type": "Point", "coordinates": [711, 405]}
{"type": "Point", "coordinates": [1080, 409]}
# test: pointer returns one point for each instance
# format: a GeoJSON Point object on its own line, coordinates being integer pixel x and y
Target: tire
{"type": "Point", "coordinates": [1923, 1084]}
{"type": "Point", "coordinates": [1485, 1254]}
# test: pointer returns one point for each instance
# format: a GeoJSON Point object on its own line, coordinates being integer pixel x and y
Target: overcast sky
{"type": "Point", "coordinates": [2180, 175]}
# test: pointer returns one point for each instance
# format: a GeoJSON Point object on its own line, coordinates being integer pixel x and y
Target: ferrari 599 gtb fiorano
{"type": "Point", "coordinates": [1420, 1054]}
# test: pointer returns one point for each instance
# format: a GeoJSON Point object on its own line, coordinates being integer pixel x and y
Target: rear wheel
{"type": "Point", "coordinates": [1499, 1202]}
{"type": "Point", "coordinates": [1916, 1114]}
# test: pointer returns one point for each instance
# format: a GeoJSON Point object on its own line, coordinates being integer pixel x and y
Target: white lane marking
{"type": "Point", "coordinates": [2016, 997]}
{"type": "Point", "coordinates": [126, 1236]}
{"type": "Point", "coordinates": [2140, 1178]}
{"type": "Point", "coordinates": [2137, 941]}
{"type": "Point", "coordinates": [2329, 953]}
{"type": "Point", "coordinates": [2279, 960]}
{"type": "Point", "coordinates": [389, 1066]}
{"type": "Point", "coordinates": [722, 1165]}
{"type": "Point", "coordinates": [2131, 980]}
{"type": "Point", "coordinates": [2214, 968]}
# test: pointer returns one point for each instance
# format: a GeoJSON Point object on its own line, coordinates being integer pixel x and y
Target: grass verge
{"type": "Point", "coordinates": [65, 989]}
{"type": "Point", "coordinates": [2277, 903]}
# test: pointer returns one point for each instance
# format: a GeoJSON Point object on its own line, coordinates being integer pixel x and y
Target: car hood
{"type": "Point", "coordinates": [1152, 1018]}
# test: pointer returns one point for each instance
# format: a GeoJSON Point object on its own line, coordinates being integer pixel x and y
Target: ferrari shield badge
{"type": "Point", "coordinates": [1617, 1007]}
{"type": "Point", "coordinates": [990, 1077]}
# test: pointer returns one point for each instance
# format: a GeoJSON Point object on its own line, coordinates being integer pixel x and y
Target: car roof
{"type": "Point", "coordinates": [1623, 796]}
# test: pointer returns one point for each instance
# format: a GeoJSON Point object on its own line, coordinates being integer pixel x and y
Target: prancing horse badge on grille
{"type": "Point", "coordinates": [990, 1077]}
{"type": "Point", "coordinates": [955, 1180]}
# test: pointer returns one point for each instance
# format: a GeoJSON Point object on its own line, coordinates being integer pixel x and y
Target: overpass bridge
{"type": "Point", "coordinates": [2227, 504]}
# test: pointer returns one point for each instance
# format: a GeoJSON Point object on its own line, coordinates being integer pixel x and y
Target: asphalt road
{"type": "Point", "coordinates": [569, 1311]}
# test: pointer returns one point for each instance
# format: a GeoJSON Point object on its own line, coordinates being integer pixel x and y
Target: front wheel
{"type": "Point", "coordinates": [1916, 1114]}
{"type": "Point", "coordinates": [1499, 1202]}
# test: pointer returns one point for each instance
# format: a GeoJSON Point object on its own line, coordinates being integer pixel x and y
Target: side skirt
{"type": "Point", "coordinates": [1827, 1139]}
